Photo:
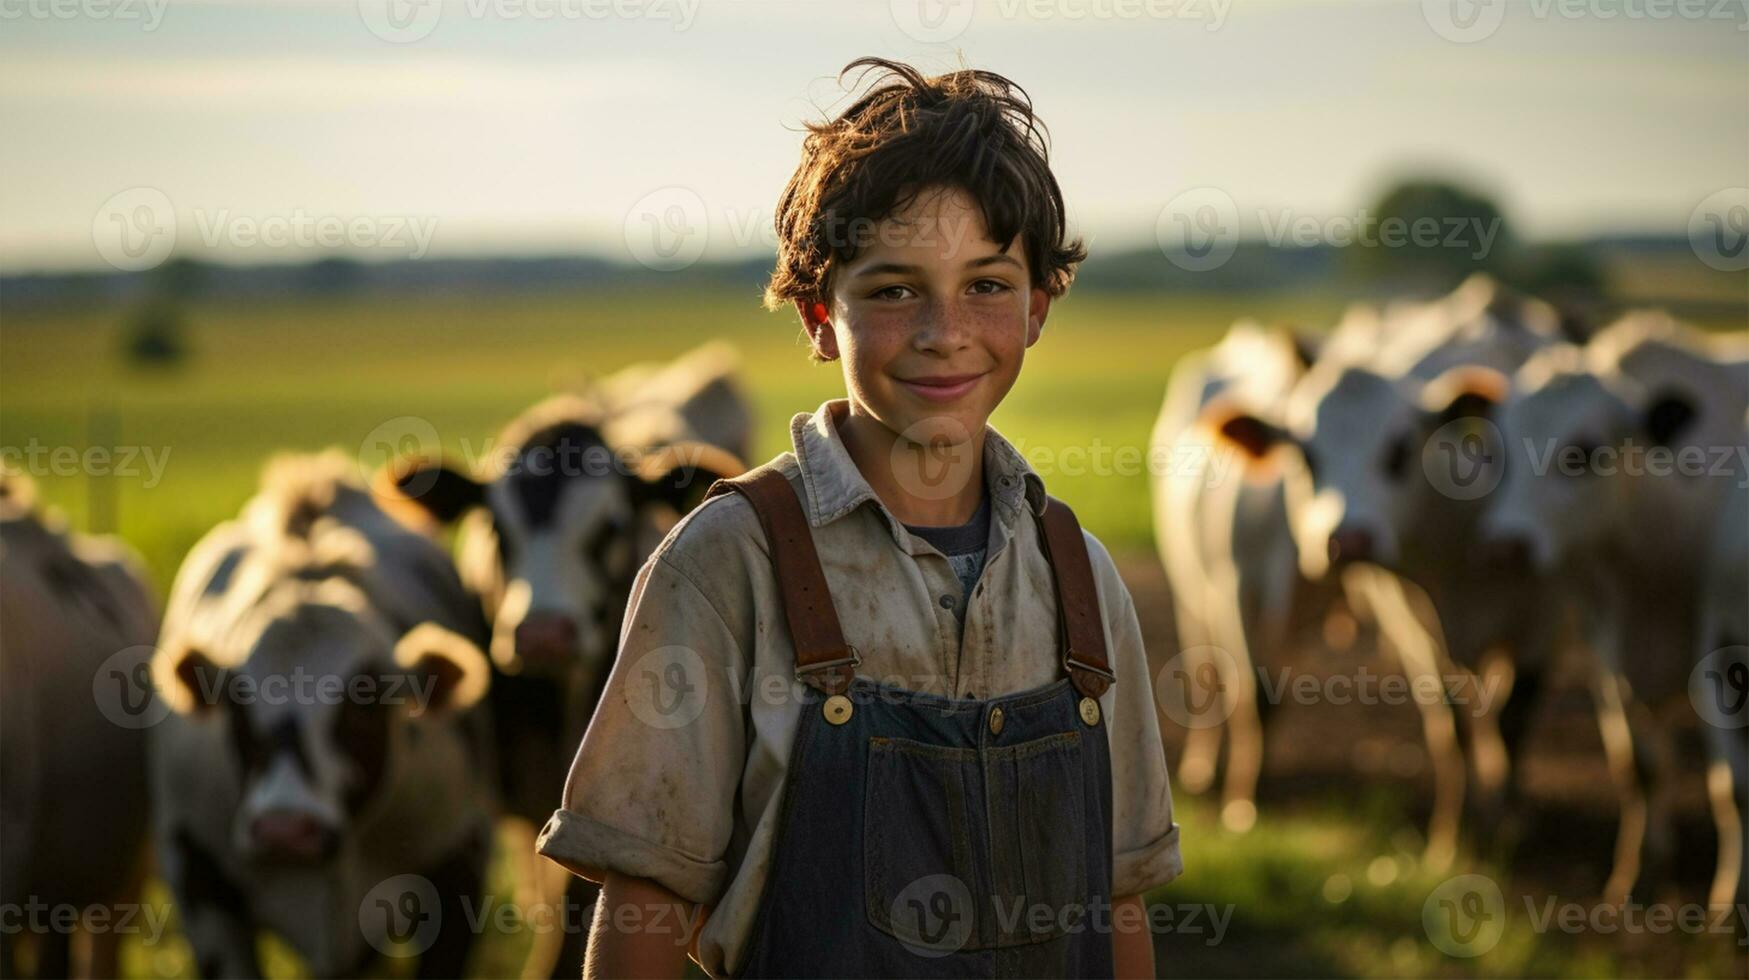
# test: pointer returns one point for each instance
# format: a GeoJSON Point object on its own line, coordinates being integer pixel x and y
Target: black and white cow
{"type": "Point", "coordinates": [325, 771]}
{"type": "Point", "coordinates": [1623, 452]}
{"type": "Point", "coordinates": [76, 626]}
{"type": "Point", "coordinates": [1395, 473]}
{"type": "Point", "coordinates": [579, 489]}
{"type": "Point", "coordinates": [1221, 529]}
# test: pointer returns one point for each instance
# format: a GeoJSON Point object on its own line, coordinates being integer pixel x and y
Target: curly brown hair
{"type": "Point", "coordinates": [968, 129]}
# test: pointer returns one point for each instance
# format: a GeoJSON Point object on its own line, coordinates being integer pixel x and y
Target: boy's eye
{"type": "Point", "coordinates": [989, 286]}
{"type": "Point", "coordinates": [891, 292]}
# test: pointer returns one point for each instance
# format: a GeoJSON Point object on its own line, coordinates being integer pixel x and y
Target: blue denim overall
{"type": "Point", "coordinates": [929, 836]}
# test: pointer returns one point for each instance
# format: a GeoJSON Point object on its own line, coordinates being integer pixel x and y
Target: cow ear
{"type": "Point", "coordinates": [419, 491]}
{"type": "Point", "coordinates": [1252, 435]}
{"type": "Point", "coordinates": [1667, 415]}
{"type": "Point", "coordinates": [188, 680]}
{"type": "Point", "coordinates": [1467, 391]}
{"type": "Point", "coordinates": [449, 673]}
{"type": "Point", "coordinates": [679, 474]}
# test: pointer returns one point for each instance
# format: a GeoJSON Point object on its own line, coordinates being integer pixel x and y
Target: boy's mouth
{"type": "Point", "coordinates": [943, 388]}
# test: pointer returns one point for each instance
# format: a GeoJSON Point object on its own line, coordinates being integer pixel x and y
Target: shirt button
{"type": "Point", "coordinates": [946, 601]}
{"type": "Point", "coordinates": [996, 721]}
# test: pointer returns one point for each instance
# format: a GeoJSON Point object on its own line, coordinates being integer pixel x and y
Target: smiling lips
{"type": "Point", "coordinates": [941, 389]}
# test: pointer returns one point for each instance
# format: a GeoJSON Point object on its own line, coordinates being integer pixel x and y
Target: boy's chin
{"type": "Point", "coordinates": [938, 425]}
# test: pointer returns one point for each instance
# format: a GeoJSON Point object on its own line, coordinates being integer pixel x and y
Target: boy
{"type": "Point", "coordinates": [885, 710]}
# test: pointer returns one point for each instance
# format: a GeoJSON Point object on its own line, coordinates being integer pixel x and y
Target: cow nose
{"type": "Point", "coordinates": [292, 836]}
{"type": "Point", "coordinates": [1350, 544]}
{"type": "Point", "coordinates": [546, 640]}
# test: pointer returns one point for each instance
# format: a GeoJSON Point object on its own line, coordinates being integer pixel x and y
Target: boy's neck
{"type": "Point", "coordinates": [925, 486]}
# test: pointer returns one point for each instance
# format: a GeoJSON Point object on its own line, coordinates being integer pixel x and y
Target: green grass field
{"type": "Point", "coordinates": [1328, 887]}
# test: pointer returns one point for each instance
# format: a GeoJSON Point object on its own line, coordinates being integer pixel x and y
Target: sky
{"type": "Point", "coordinates": [383, 129]}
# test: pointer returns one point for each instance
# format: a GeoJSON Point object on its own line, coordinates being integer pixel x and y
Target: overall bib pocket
{"type": "Point", "coordinates": [1038, 838]}
{"type": "Point", "coordinates": [922, 869]}
{"type": "Point", "coordinates": [918, 867]}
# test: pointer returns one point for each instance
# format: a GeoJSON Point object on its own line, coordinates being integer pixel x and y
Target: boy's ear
{"type": "Point", "coordinates": [1037, 310]}
{"type": "Point", "coordinates": [820, 335]}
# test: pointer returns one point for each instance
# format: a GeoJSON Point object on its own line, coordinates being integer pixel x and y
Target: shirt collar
{"type": "Point", "coordinates": [834, 486]}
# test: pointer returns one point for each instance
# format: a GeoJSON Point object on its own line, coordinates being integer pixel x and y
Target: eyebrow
{"type": "Point", "coordinates": [899, 268]}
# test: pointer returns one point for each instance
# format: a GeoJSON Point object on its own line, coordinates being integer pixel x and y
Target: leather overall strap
{"type": "Point", "coordinates": [823, 660]}
{"type": "Point", "coordinates": [1079, 624]}
{"type": "Point", "coordinates": [827, 663]}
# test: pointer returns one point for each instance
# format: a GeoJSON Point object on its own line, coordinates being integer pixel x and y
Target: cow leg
{"type": "Point", "coordinates": [1728, 787]}
{"type": "Point", "coordinates": [1419, 650]}
{"type": "Point", "coordinates": [1244, 726]}
{"type": "Point", "coordinates": [215, 911]}
{"type": "Point", "coordinates": [1202, 743]}
{"type": "Point", "coordinates": [460, 882]}
{"type": "Point", "coordinates": [1632, 763]}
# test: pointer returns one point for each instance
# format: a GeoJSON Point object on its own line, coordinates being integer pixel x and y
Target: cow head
{"type": "Point", "coordinates": [1567, 433]}
{"type": "Point", "coordinates": [1360, 437]}
{"type": "Point", "coordinates": [552, 537]}
{"type": "Point", "coordinates": [321, 695]}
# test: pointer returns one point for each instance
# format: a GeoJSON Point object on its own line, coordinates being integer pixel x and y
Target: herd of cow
{"type": "Point", "coordinates": [332, 701]}
{"type": "Point", "coordinates": [338, 702]}
{"type": "Point", "coordinates": [1485, 484]}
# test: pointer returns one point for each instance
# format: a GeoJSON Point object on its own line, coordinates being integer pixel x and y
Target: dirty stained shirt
{"type": "Point", "coordinates": [679, 777]}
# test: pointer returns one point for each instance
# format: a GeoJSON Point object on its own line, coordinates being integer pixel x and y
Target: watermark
{"type": "Point", "coordinates": [1197, 688]}
{"type": "Point", "coordinates": [301, 229]}
{"type": "Point", "coordinates": [669, 229]}
{"type": "Point", "coordinates": [123, 690]}
{"type": "Point", "coordinates": [1470, 21]}
{"type": "Point", "coordinates": [1718, 687]}
{"type": "Point", "coordinates": [1655, 919]}
{"type": "Point", "coordinates": [1464, 458]}
{"type": "Point", "coordinates": [39, 460]}
{"type": "Point", "coordinates": [1718, 229]}
{"type": "Point", "coordinates": [1465, 916]}
{"type": "Point", "coordinates": [407, 21]}
{"type": "Point", "coordinates": [402, 916]}
{"type": "Point", "coordinates": [936, 915]}
{"type": "Point", "coordinates": [135, 229]}
{"type": "Point", "coordinates": [668, 687]}
{"type": "Point", "coordinates": [37, 917]}
{"type": "Point", "coordinates": [1636, 459]}
{"type": "Point", "coordinates": [941, 21]}
{"type": "Point", "coordinates": [411, 437]}
{"type": "Point", "coordinates": [305, 687]}
{"type": "Point", "coordinates": [147, 13]}
{"type": "Point", "coordinates": [1199, 229]}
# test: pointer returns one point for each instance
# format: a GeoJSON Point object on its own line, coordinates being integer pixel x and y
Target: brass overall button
{"type": "Point", "coordinates": [996, 720]}
{"type": "Point", "coordinates": [837, 709]}
{"type": "Point", "coordinates": [1090, 711]}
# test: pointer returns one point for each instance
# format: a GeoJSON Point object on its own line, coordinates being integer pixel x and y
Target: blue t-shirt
{"type": "Point", "coordinates": [965, 546]}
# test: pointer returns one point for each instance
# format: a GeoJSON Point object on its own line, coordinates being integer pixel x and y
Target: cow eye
{"type": "Point", "coordinates": [603, 537]}
{"type": "Point", "coordinates": [1397, 458]}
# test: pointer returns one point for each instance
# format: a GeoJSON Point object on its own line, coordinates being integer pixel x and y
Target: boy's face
{"type": "Point", "coordinates": [931, 320]}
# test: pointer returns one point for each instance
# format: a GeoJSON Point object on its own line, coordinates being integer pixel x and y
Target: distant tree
{"type": "Point", "coordinates": [1428, 234]}
{"type": "Point", "coordinates": [333, 275]}
{"type": "Point", "coordinates": [154, 335]}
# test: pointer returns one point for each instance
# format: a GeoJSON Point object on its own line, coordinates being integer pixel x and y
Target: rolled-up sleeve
{"type": "Point", "coordinates": [1144, 841]}
{"type": "Point", "coordinates": [651, 791]}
